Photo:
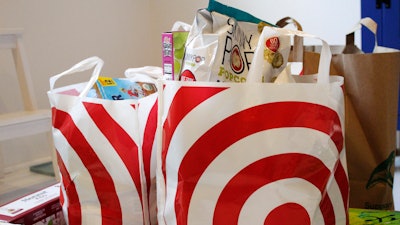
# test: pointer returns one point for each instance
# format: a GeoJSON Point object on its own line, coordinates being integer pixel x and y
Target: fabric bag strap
{"type": "Point", "coordinates": [325, 58]}
{"type": "Point", "coordinates": [350, 47]}
{"type": "Point", "coordinates": [298, 44]}
{"type": "Point", "coordinates": [144, 74]}
{"type": "Point", "coordinates": [181, 26]}
{"type": "Point", "coordinates": [84, 65]}
{"type": "Point", "coordinates": [372, 26]}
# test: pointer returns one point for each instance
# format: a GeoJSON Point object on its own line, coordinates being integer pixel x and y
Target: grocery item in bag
{"type": "Point", "coordinates": [219, 48]}
{"type": "Point", "coordinates": [173, 50]}
{"type": "Point", "coordinates": [123, 88]}
{"type": "Point", "coordinates": [271, 55]}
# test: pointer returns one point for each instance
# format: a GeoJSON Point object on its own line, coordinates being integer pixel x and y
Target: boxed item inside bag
{"type": "Point", "coordinates": [173, 50]}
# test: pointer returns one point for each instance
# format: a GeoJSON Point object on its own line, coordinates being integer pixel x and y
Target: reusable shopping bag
{"type": "Point", "coordinates": [372, 88]}
{"type": "Point", "coordinates": [98, 153]}
{"type": "Point", "coordinates": [252, 153]}
{"type": "Point", "coordinates": [147, 118]}
{"type": "Point", "coordinates": [147, 115]}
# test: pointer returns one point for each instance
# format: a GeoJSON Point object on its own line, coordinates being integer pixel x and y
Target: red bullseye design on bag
{"type": "Point", "coordinates": [287, 161]}
{"type": "Point", "coordinates": [280, 214]}
{"type": "Point", "coordinates": [208, 184]}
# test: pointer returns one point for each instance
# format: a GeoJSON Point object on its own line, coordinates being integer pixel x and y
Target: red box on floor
{"type": "Point", "coordinates": [39, 208]}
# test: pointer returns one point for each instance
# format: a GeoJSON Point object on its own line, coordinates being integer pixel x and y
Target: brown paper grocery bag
{"type": "Point", "coordinates": [371, 101]}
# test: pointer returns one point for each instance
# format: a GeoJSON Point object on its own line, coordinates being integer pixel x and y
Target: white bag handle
{"type": "Point", "coordinates": [84, 65]}
{"type": "Point", "coordinates": [324, 61]}
{"type": "Point", "coordinates": [325, 58]}
{"type": "Point", "coordinates": [368, 23]}
{"type": "Point", "coordinates": [144, 74]}
{"type": "Point", "coordinates": [373, 27]}
{"type": "Point", "coordinates": [181, 26]}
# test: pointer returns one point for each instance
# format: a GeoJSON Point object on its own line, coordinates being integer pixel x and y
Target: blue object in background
{"type": "Point", "coordinates": [386, 13]}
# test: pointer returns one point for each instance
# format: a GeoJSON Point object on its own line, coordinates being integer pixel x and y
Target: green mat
{"type": "Point", "coordinates": [368, 216]}
{"type": "Point", "coordinates": [44, 168]}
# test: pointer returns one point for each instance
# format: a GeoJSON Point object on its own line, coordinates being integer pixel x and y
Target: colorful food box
{"type": "Point", "coordinates": [39, 208]}
{"type": "Point", "coordinates": [173, 50]}
{"type": "Point", "coordinates": [123, 88]}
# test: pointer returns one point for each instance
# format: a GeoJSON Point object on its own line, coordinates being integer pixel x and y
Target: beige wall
{"type": "Point", "coordinates": [124, 33]}
{"type": "Point", "coordinates": [60, 33]}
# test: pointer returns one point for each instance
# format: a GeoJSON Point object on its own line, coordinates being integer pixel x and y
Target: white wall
{"type": "Point", "coordinates": [328, 19]}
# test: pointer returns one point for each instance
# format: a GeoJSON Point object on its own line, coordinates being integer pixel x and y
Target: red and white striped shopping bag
{"type": "Point", "coordinates": [99, 154]}
{"type": "Point", "coordinates": [252, 153]}
{"type": "Point", "coordinates": [147, 114]}
{"type": "Point", "coordinates": [147, 117]}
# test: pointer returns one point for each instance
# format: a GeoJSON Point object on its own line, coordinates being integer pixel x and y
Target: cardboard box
{"type": "Point", "coordinates": [39, 208]}
{"type": "Point", "coordinates": [123, 88]}
{"type": "Point", "coordinates": [173, 51]}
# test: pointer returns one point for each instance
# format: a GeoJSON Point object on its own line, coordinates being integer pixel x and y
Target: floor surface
{"type": "Point", "coordinates": [22, 182]}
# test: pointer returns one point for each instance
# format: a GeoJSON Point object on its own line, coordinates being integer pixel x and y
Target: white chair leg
{"type": "Point", "coordinates": [23, 74]}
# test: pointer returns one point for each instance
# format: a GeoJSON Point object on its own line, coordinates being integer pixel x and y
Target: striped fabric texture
{"type": "Point", "coordinates": [99, 150]}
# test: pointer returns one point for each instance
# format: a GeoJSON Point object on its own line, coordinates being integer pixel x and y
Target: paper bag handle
{"type": "Point", "coordinates": [298, 41]}
{"type": "Point", "coordinates": [84, 65]}
{"type": "Point", "coordinates": [368, 23]}
{"type": "Point", "coordinates": [289, 20]}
